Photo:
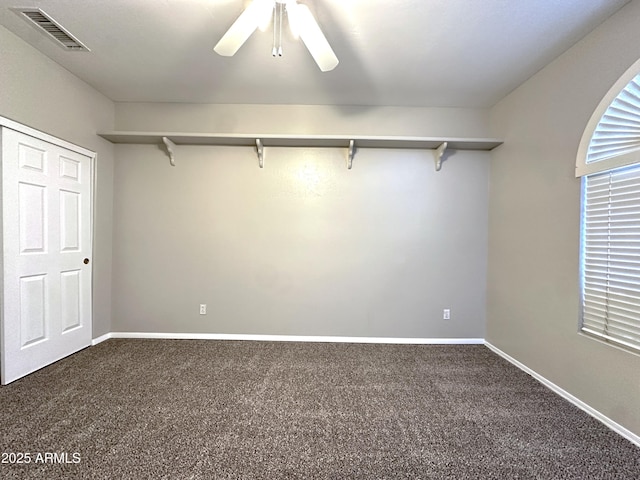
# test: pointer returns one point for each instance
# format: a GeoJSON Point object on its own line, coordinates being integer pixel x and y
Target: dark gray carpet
{"type": "Point", "coordinates": [185, 409]}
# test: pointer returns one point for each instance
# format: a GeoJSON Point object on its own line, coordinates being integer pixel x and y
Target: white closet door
{"type": "Point", "coordinates": [46, 218]}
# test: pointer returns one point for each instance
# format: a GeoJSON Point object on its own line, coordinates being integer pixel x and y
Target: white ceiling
{"type": "Point", "coordinates": [449, 53]}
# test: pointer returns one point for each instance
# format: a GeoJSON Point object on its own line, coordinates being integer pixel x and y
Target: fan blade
{"type": "Point", "coordinates": [294, 21]}
{"type": "Point", "coordinates": [302, 23]}
{"type": "Point", "coordinates": [243, 27]}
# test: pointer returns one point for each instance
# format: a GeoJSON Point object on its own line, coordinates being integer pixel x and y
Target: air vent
{"type": "Point", "coordinates": [45, 24]}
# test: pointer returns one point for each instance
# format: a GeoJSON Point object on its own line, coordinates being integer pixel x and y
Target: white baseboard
{"type": "Point", "coordinates": [619, 429]}
{"type": "Point", "coordinates": [101, 339]}
{"type": "Point", "coordinates": [294, 338]}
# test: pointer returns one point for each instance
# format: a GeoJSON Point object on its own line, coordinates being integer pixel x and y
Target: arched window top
{"type": "Point", "coordinates": [612, 136]}
{"type": "Point", "coordinates": [618, 131]}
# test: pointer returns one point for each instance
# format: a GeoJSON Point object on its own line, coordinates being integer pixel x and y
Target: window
{"type": "Point", "coordinates": [611, 255]}
{"type": "Point", "coordinates": [609, 164]}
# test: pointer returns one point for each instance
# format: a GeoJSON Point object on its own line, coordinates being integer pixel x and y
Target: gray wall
{"type": "Point", "coordinates": [302, 119]}
{"type": "Point", "coordinates": [303, 246]}
{"type": "Point", "coordinates": [39, 93]}
{"type": "Point", "coordinates": [533, 303]}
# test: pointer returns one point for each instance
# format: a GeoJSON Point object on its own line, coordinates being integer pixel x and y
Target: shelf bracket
{"type": "Point", "coordinates": [260, 150]}
{"type": "Point", "coordinates": [438, 153]}
{"type": "Point", "coordinates": [350, 153]}
{"type": "Point", "coordinates": [171, 150]}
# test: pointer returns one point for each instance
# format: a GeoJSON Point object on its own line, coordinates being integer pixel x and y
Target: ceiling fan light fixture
{"type": "Point", "coordinates": [301, 22]}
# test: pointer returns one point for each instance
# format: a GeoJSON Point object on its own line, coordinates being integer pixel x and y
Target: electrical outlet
{"type": "Point", "coordinates": [446, 314]}
{"type": "Point", "coordinates": [203, 309]}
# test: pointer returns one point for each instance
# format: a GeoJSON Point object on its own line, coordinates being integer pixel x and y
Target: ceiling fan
{"type": "Point", "coordinates": [301, 22]}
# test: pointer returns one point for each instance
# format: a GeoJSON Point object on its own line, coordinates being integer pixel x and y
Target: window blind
{"type": "Point", "coordinates": [618, 131]}
{"type": "Point", "coordinates": [611, 138]}
{"type": "Point", "coordinates": [611, 256]}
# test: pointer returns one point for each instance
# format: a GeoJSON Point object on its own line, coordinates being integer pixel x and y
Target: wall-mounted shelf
{"type": "Point", "coordinates": [258, 142]}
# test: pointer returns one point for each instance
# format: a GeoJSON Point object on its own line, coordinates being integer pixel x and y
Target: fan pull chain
{"type": "Point", "coordinates": [277, 30]}
{"type": "Point", "coordinates": [280, 10]}
{"type": "Point", "coordinates": [274, 50]}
